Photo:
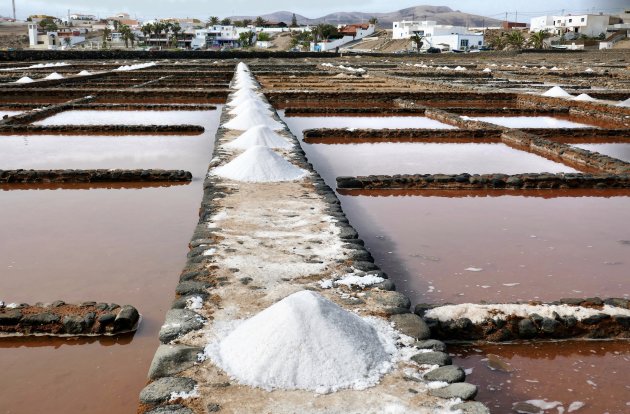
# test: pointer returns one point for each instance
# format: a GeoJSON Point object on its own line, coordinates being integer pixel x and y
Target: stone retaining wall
{"type": "Point", "coordinates": [343, 135]}
{"type": "Point", "coordinates": [91, 176]}
{"type": "Point", "coordinates": [599, 326]}
{"type": "Point", "coordinates": [182, 129]}
{"type": "Point", "coordinates": [61, 319]}
{"type": "Point", "coordinates": [484, 181]}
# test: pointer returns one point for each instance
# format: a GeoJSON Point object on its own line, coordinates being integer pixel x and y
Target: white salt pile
{"type": "Point", "coordinates": [260, 135]}
{"type": "Point", "coordinates": [54, 75]}
{"type": "Point", "coordinates": [260, 165]}
{"type": "Point", "coordinates": [478, 313]}
{"type": "Point", "coordinates": [625, 104]}
{"type": "Point", "coordinates": [250, 118]}
{"type": "Point", "coordinates": [134, 67]}
{"type": "Point", "coordinates": [245, 84]}
{"type": "Point", "coordinates": [244, 97]}
{"type": "Point", "coordinates": [557, 92]}
{"type": "Point", "coordinates": [48, 65]}
{"type": "Point", "coordinates": [251, 104]}
{"type": "Point", "coordinates": [584, 97]}
{"type": "Point", "coordinates": [84, 73]}
{"type": "Point", "coordinates": [24, 79]}
{"type": "Point", "coordinates": [459, 68]}
{"type": "Point", "coordinates": [487, 70]}
{"type": "Point", "coordinates": [588, 70]}
{"type": "Point", "coordinates": [242, 66]}
{"type": "Point", "coordinates": [245, 92]}
{"type": "Point", "coordinates": [305, 342]}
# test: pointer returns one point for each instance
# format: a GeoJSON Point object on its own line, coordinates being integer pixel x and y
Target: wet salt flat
{"type": "Point", "coordinates": [497, 249]}
{"type": "Point", "coordinates": [125, 245]}
{"type": "Point", "coordinates": [530, 122]}
{"type": "Point", "coordinates": [619, 151]}
{"type": "Point", "coordinates": [386, 122]}
{"type": "Point", "coordinates": [593, 373]}
{"type": "Point", "coordinates": [90, 117]}
{"type": "Point", "coordinates": [332, 161]}
{"type": "Point", "coordinates": [83, 152]}
{"type": "Point", "coordinates": [9, 113]}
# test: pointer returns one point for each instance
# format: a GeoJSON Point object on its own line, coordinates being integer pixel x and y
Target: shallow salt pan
{"type": "Point", "coordinates": [93, 117]}
{"type": "Point", "coordinates": [620, 151]}
{"type": "Point", "coordinates": [530, 122]}
{"type": "Point", "coordinates": [386, 122]}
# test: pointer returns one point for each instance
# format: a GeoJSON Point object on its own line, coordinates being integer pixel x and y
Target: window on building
{"type": "Point", "coordinates": [570, 20]}
{"type": "Point", "coordinates": [582, 19]}
{"type": "Point", "coordinates": [463, 43]}
{"type": "Point", "coordinates": [479, 43]}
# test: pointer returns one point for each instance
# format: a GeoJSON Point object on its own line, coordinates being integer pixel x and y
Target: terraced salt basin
{"type": "Point", "coordinates": [144, 151]}
{"type": "Point", "coordinates": [385, 122]}
{"type": "Point", "coordinates": [531, 122]}
{"type": "Point", "coordinates": [4, 113]}
{"type": "Point", "coordinates": [468, 247]}
{"type": "Point", "coordinates": [590, 375]}
{"type": "Point", "coordinates": [620, 151]}
{"type": "Point", "coordinates": [117, 243]}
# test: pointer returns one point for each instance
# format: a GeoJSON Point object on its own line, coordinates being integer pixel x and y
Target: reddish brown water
{"type": "Point", "coordinates": [595, 373]}
{"type": "Point", "coordinates": [122, 244]}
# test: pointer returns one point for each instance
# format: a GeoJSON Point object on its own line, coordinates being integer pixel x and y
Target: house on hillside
{"type": "Point", "coordinates": [591, 25]}
{"type": "Point", "coordinates": [40, 39]}
{"type": "Point", "coordinates": [218, 36]}
{"type": "Point", "coordinates": [350, 32]}
{"type": "Point", "coordinates": [443, 37]}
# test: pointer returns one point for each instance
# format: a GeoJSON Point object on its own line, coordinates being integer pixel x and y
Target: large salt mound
{"type": "Point", "coordinates": [259, 135]}
{"type": "Point", "coordinates": [242, 66]}
{"type": "Point", "coordinates": [83, 73]}
{"type": "Point", "coordinates": [238, 100]}
{"type": "Point", "coordinates": [557, 92]}
{"type": "Point", "coordinates": [625, 104]}
{"type": "Point", "coordinates": [304, 342]}
{"type": "Point", "coordinates": [244, 92]}
{"type": "Point", "coordinates": [251, 104]}
{"type": "Point", "coordinates": [584, 97]}
{"type": "Point", "coordinates": [24, 79]}
{"type": "Point", "coordinates": [260, 165]}
{"type": "Point", "coordinates": [252, 117]}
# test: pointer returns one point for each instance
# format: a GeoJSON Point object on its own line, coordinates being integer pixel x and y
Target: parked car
{"type": "Point", "coordinates": [434, 50]}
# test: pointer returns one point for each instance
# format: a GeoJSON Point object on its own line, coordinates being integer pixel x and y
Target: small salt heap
{"type": "Point", "coordinates": [305, 342]}
{"type": "Point", "coordinates": [459, 68]}
{"type": "Point", "coordinates": [588, 70]}
{"type": "Point", "coordinates": [83, 73]}
{"type": "Point", "coordinates": [250, 117]}
{"type": "Point", "coordinates": [624, 104]}
{"type": "Point", "coordinates": [260, 165]}
{"type": "Point", "coordinates": [259, 135]}
{"type": "Point", "coordinates": [54, 75]}
{"type": "Point", "coordinates": [487, 70]}
{"type": "Point", "coordinates": [24, 79]}
{"type": "Point", "coordinates": [557, 92]}
{"type": "Point", "coordinates": [584, 97]}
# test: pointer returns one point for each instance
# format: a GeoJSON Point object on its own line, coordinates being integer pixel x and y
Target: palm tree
{"type": "Point", "coordinates": [373, 20]}
{"type": "Point", "coordinates": [417, 39]}
{"type": "Point", "coordinates": [106, 32]}
{"type": "Point", "coordinates": [126, 33]}
{"type": "Point", "coordinates": [516, 39]}
{"type": "Point", "coordinates": [146, 30]}
{"type": "Point", "coordinates": [537, 40]}
{"type": "Point", "coordinates": [259, 22]}
{"type": "Point", "coordinates": [294, 22]}
{"type": "Point", "coordinates": [176, 28]}
{"type": "Point", "coordinates": [67, 41]}
{"type": "Point", "coordinates": [226, 22]}
{"type": "Point", "coordinates": [213, 20]}
{"type": "Point", "coordinates": [247, 22]}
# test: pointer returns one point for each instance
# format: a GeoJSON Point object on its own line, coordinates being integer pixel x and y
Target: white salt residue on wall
{"type": "Point", "coordinates": [260, 164]}
{"type": "Point", "coordinates": [306, 342]}
{"type": "Point", "coordinates": [478, 313]}
{"type": "Point", "coordinates": [350, 280]}
{"type": "Point", "coordinates": [134, 67]}
{"type": "Point", "coordinates": [259, 135]}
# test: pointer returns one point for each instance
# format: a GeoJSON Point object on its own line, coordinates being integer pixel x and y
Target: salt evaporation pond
{"type": "Point", "coordinates": [530, 122]}
{"type": "Point", "coordinates": [9, 113]}
{"type": "Point", "coordinates": [93, 117]}
{"type": "Point", "coordinates": [619, 151]}
{"type": "Point", "coordinates": [515, 247]}
{"type": "Point", "coordinates": [83, 152]}
{"type": "Point", "coordinates": [593, 373]}
{"type": "Point", "coordinates": [122, 243]}
{"type": "Point", "coordinates": [375, 122]}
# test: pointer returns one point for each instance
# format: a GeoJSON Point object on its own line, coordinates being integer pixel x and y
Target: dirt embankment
{"type": "Point", "coordinates": [13, 35]}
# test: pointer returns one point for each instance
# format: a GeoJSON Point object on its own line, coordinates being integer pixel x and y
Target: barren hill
{"type": "Point", "coordinates": [441, 14]}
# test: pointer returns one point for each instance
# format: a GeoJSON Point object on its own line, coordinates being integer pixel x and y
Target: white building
{"type": "Point", "coordinates": [219, 36]}
{"type": "Point", "coordinates": [444, 37]}
{"type": "Point", "coordinates": [587, 24]}
{"type": "Point", "coordinates": [350, 33]}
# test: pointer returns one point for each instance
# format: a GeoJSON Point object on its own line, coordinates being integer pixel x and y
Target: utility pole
{"type": "Point", "coordinates": [13, 1]}
{"type": "Point", "coordinates": [516, 16]}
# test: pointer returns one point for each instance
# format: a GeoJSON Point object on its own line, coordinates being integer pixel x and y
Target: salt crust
{"type": "Point", "coordinates": [251, 117]}
{"type": "Point", "coordinates": [251, 104]}
{"type": "Point", "coordinates": [248, 96]}
{"type": "Point", "coordinates": [134, 67]}
{"type": "Point", "coordinates": [350, 280]}
{"type": "Point", "coordinates": [259, 135]}
{"type": "Point", "coordinates": [625, 104]}
{"type": "Point", "coordinates": [84, 73]}
{"type": "Point", "coordinates": [557, 92]}
{"type": "Point", "coordinates": [306, 342]}
{"type": "Point", "coordinates": [478, 313]}
{"type": "Point", "coordinates": [260, 164]}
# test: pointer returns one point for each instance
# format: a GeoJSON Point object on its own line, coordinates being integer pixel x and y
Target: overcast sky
{"type": "Point", "coordinates": [202, 9]}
